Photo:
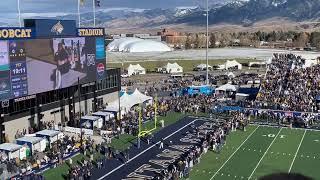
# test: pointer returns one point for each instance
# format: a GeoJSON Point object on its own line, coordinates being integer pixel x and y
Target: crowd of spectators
{"type": "Point", "coordinates": [290, 85]}
{"type": "Point", "coordinates": [212, 139]}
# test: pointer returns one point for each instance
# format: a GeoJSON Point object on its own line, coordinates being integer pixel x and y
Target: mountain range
{"type": "Point", "coordinates": [223, 14]}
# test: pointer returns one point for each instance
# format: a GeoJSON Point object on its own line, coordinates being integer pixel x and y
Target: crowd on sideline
{"type": "Point", "coordinates": [209, 140]}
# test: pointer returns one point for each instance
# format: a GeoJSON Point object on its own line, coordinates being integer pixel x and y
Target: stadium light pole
{"type": "Point", "coordinates": [207, 41]}
{"type": "Point", "coordinates": [79, 19]}
{"type": "Point", "coordinates": [94, 12]}
{"type": "Point", "coordinates": [19, 13]}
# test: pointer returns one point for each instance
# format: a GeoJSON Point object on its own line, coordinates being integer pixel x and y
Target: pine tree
{"type": "Point", "coordinates": [188, 42]}
{"type": "Point", "coordinates": [212, 40]}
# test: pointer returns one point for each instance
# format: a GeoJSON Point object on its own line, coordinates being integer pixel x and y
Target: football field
{"type": "Point", "coordinates": [262, 150]}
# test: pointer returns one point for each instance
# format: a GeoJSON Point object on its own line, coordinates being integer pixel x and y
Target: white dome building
{"type": "Point", "coordinates": [119, 44]}
{"type": "Point", "coordinates": [146, 46]}
{"type": "Point", "coordinates": [130, 44]}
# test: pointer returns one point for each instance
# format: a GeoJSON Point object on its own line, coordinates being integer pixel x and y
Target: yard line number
{"type": "Point", "coordinates": [273, 135]}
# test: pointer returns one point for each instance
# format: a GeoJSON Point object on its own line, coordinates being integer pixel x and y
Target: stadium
{"type": "Point", "coordinates": [72, 109]}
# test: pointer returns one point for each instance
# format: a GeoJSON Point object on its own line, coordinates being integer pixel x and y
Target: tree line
{"type": "Point", "coordinates": [254, 39]}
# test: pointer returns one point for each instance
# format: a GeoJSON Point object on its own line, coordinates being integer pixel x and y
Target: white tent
{"type": "Point", "coordinates": [127, 102]}
{"type": "Point", "coordinates": [136, 69]}
{"type": "Point", "coordinates": [227, 87]}
{"type": "Point", "coordinates": [310, 62]}
{"type": "Point", "coordinates": [202, 67]}
{"type": "Point", "coordinates": [34, 143]}
{"type": "Point", "coordinates": [230, 74]}
{"type": "Point", "coordinates": [171, 68]}
{"type": "Point", "coordinates": [124, 105]}
{"type": "Point", "coordinates": [230, 64]}
{"type": "Point", "coordinates": [139, 97]}
{"type": "Point", "coordinates": [14, 150]}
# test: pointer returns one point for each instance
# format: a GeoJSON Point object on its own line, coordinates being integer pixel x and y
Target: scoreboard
{"type": "Point", "coordinates": [31, 65]}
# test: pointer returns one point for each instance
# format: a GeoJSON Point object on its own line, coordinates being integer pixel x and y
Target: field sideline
{"type": "Point", "coordinates": [262, 150]}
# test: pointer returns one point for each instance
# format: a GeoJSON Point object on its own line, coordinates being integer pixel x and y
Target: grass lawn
{"type": "Point", "coordinates": [59, 172]}
{"type": "Point", "coordinates": [187, 65]}
{"type": "Point", "coordinates": [268, 150]}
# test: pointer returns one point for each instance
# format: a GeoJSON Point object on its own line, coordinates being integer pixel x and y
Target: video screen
{"type": "Point", "coordinates": [63, 61]}
{"type": "Point", "coordinates": [33, 66]}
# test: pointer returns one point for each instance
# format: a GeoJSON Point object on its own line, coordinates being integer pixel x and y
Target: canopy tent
{"type": "Point", "coordinates": [13, 150]}
{"type": "Point", "coordinates": [103, 114]}
{"type": "Point", "coordinates": [227, 87]}
{"type": "Point", "coordinates": [171, 68]}
{"type": "Point", "coordinates": [310, 62]}
{"type": "Point", "coordinates": [136, 69]}
{"type": "Point", "coordinates": [34, 143]}
{"type": "Point", "coordinates": [89, 122]}
{"type": "Point", "coordinates": [51, 135]}
{"type": "Point", "coordinates": [127, 102]}
{"type": "Point", "coordinates": [202, 67]}
{"type": "Point", "coordinates": [230, 74]}
{"type": "Point", "coordinates": [139, 97]}
{"type": "Point", "coordinates": [230, 64]}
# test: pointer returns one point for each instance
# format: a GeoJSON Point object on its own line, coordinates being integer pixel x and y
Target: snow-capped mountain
{"type": "Point", "coordinates": [236, 12]}
{"type": "Point", "coordinates": [256, 10]}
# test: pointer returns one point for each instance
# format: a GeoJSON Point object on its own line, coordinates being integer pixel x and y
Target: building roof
{"type": "Point", "coordinates": [147, 46]}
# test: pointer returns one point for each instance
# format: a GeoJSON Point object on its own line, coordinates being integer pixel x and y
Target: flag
{"type": "Point", "coordinates": [82, 2]}
{"type": "Point", "coordinates": [97, 3]}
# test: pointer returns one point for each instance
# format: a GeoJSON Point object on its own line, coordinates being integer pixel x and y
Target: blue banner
{"type": "Point", "coordinates": [100, 49]}
{"type": "Point", "coordinates": [52, 28]}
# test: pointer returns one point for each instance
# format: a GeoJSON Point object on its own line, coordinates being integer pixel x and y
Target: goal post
{"type": "Point", "coordinates": [142, 131]}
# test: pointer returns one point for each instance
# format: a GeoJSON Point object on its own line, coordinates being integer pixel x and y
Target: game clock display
{"type": "Point", "coordinates": [18, 68]}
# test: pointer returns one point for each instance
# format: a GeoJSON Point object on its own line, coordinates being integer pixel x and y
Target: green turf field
{"type": "Point", "coordinates": [260, 151]}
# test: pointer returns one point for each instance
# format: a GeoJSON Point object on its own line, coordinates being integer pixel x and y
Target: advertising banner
{"type": "Point", "coordinates": [101, 58]}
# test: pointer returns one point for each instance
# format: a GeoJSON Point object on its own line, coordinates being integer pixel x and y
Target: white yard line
{"type": "Point", "coordinates": [147, 150]}
{"type": "Point", "coordinates": [233, 153]}
{"type": "Point", "coordinates": [294, 158]}
{"type": "Point", "coordinates": [264, 154]}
